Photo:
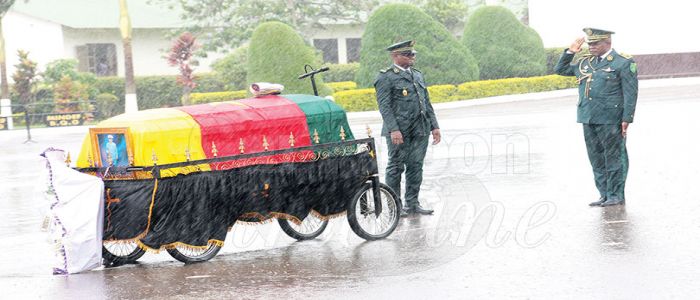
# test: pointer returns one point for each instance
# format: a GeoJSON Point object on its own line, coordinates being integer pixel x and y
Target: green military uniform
{"type": "Point", "coordinates": [405, 106]}
{"type": "Point", "coordinates": [607, 97]}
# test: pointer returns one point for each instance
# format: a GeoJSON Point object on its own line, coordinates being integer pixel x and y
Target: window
{"type": "Point", "coordinates": [329, 47]}
{"type": "Point", "coordinates": [353, 49]}
{"type": "Point", "coordinates": [99, 59]}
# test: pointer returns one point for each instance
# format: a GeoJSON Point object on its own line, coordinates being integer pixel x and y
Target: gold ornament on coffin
{"type": "Point", "coordinates": [265, 144]}
{"type": "Point", "coordinates": [241, 146]}
{"type": "Point", "coordinates": [187, 154]}
{"type": "Point", "coordinates": [214, 152]}
{"type": "Point", "coordinates": [342, 133]}
{"type": "Point", "coordinates": [369, 131]}
{"type": "Point", "coordinates": [291, 140]}
{"type": "Point", "coordinates": [154, 157]}
{"type": "Point", "coordinates": [68, 160]}
{"type": "Point", "coordinates": [316, 138]}
{"type": "Point", "coordinates": [91, 163]}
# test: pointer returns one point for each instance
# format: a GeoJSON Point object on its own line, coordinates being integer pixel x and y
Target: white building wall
{"type": "Point", "coordinates": [641, 27]}
{"type": "Point", "coordinates": [41, 38]}
{"type": "Point", "coordinates": [149, 46]}
{"type": "Point", "coordinates": [339, 32]}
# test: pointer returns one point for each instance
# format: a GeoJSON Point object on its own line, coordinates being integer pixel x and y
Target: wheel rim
{"type": "Point", "coordinates": [121, 249]}
{"type": "Point", "coordinates": [193, 252]}
{"type": "Point", "coordinates": [309, 226]}
{"type": "Point", "coordinates": [368, 221]}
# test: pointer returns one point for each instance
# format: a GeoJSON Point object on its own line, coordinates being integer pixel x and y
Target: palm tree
{"type": "Point", "coordinates": [131, 103]}
{"type": "Point", "coordinates": [5, 109]}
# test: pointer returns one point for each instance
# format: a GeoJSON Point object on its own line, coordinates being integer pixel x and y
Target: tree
{"type": "Point", "coordinates": [278, 54]}
{"type": "Point", "coordinates": [4, 91]}
{"type": "Point", "coordinates": [450, 13]}
{"type": "Point", "coordinates": [181, 55]}
{"type": "Point", "coordinates": [503, 46]}
{"type": "Point", "coordinates": [25, 77]}
{"type": "Point", "coordinates": [229, 23]}
{"type": "Point", "coordinates": [231, 68]}
{"type": "Point", "coordinates": [440, 56]}
{"type": "Point", "coordinates": [131, 102]}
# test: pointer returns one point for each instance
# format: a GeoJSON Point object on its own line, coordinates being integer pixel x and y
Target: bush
{"type": "Point", "coordinates": [199, 98]}
{"type": "Point", "coordinates": [510, 86]}
{"type": "Point", "coordinates": [157, 91]}
{"type": "Point", "coordinates": [553, 55]}
{"type": "Point", "coordinates": [356, 100]}
{"type": "Point", "coordinates": [107, 105]}
{"type": "Point", "coordinates": [365, 99]}
{"type": "Point", "coordinates": [441, 58]}
{"type": "Point", "coordinates": [341, 72]}
{"type": "Point", "coordinates": [231, 69]}
{"type": "Point", "coordinates": [442, 93]}
{"type": "Point", "coordinates": [57, 69]}
{"type": "Point", "coordinates": [342, 86]}
{"type": "Point", "coordinates": [278, 54]}
{"type": "Point", "coordinates": [502, 45]}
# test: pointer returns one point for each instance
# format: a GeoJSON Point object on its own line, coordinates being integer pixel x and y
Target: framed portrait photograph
{"type": "Point", "coordinates": [112, 147]}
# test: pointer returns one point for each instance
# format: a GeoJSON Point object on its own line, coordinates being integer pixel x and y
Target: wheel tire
{"type": "Point", "coordinates": [390, 212]}
{"type": "Point", "coordinates": [187, 255]}
{"type": "Point", "coordinates": [316, 225]}
{"type": "Point", "coordinates": [119, 253]}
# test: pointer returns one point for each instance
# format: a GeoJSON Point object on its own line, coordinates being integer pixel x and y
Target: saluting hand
{"type": "Point", "coordinates": [576, 45]}
{"type": "Point", "coordinates": [396, 137]}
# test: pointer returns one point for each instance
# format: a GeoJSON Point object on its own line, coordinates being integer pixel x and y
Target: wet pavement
{"type": "Point", "coordinates": [510, 185]}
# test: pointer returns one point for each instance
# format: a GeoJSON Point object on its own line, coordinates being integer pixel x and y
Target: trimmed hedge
{"type": "Point", "coordinates": [342, 86]}
{"type": "Point", "coordinates": [277, 53]}
{"type": "Point", "coordinates": [157, 91]}
{"type": "Point", "coordinates": [503, 46]}
{"type": "Point", "coordinates": [356, 100]}
{"type": "Point", "coordinates": [441, 57]}
{"type": "Point", "coordinates": [365, 99]}
{"type": "Point", "coordinates": [199, 98]}
{"type": "Point", "coordinates": [231, 69]}
{"type": "Point", "coordinates": [341, 72]}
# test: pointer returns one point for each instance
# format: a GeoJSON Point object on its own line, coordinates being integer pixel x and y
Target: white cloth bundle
{"type": "Point", "coordinates": [75, 215]}
{"type": "Point", "coordinates": [266, 88]}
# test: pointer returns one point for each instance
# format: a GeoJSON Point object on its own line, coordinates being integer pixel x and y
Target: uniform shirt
{"type": "Point", "coordinates": [607, 89]}
{"type": "Point", "coordinates": [404, 103]}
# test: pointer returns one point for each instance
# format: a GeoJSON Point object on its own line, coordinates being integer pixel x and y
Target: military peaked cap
{"type": "Point", "coordinates": [595, 35]}
{"type": "Point", "coordinates": [400, 47]}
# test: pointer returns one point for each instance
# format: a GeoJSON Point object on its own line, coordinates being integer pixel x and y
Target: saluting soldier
{"type": "Point", "coordinates": [607, 100]}
{"type": "Point", "coordinates": [409, 120]}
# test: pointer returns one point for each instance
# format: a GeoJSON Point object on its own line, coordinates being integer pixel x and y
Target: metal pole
{"type": "Point", "coordinates": [313, 84]}
{"type": "Point", "coordinates": [27, 125]}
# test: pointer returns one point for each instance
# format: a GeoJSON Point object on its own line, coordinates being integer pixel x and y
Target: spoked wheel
{"type": "Point", "coordinates": [189, 254]}
{"type": "Point", "coordinates": [310, 228]}
{"type": "Point", "coordinates": [119, 252]}
{"type": "Point", "coordinates": [363, 219]}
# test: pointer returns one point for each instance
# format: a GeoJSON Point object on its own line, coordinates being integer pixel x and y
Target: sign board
{"type": "Point", "coordinates": [64, 119]}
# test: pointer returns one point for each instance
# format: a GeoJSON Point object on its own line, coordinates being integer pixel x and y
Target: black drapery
{"type": "Point", "coordinates": [195, 208]}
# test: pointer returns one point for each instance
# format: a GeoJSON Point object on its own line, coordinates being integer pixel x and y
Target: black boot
{"type": "Point", "coordinates": [598, 203]}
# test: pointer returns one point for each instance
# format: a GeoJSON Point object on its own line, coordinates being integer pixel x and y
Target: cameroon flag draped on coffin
{"type": "Point", "coordinates": [196, 207]}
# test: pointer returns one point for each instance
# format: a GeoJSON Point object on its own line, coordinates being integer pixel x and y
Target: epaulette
{"type": "Point", "coordinates": [625, 55]}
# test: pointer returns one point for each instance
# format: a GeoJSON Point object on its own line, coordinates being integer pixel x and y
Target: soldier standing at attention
{"type": "Point", "coordinates": [408, 120]}
{"type": "Point", "coordinates": [607, 100]}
